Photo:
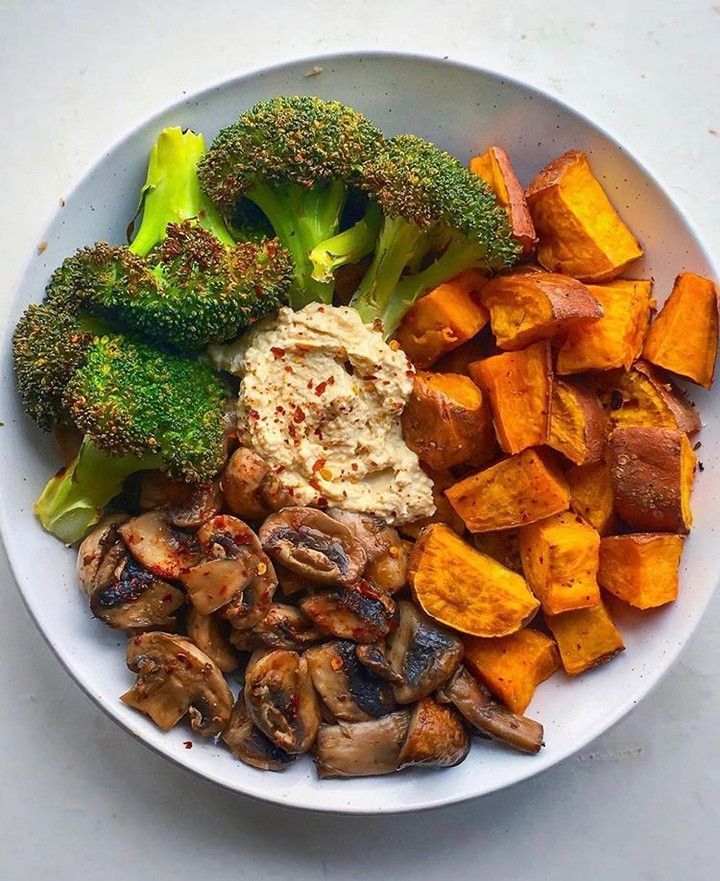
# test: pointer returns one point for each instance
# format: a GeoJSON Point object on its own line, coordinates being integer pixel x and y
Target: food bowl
{"type": "Point", "coordinates": [464, 109]}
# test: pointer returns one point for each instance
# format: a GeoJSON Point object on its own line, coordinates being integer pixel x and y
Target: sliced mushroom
{"type": "Point", "coordinates": [359, 612]}
{"type": "Point", "coordinates": [436, 737]}
{"type": "Point", "coordinates": [211, 634]}
{"type": "Point", "coordinates": [163, 549]}
{"type": "Point", "coordinates": [174, 679]}
{"type": "Point", "coordinates": [290, 582]}
{"type": "Point", "coordinates": [280, 699]}
{"type": "Point", "coordinates": [387, 564]}
{"type": "Point", "coordinates": [186, 505]}
{"type": "Point", "coordinates": [94, 548]}
{"type": "Point", "coordinates": [241, 480]}
{"type": "Point", "coordinates": [250, 745]}
{"type": "Point", "coordinates": [349, 690]}
{"type": "Point", "coordinates": [284, 627]}
{"type": "Point", "coordinates": [489, 717]}
{"type": "Point", "coordinates": [422, 652]}
{"type": "Point", "coordinates": [373, 657]}
{"type": "Point", "coordinates": [361, 749]}
{"type": "Point", "coordinates": [275, 494]}
{"type": "Point", "coordinates": [313, 544]}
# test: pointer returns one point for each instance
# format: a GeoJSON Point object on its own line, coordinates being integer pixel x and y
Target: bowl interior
{"type": "Point", "coordinates": [464, 110]}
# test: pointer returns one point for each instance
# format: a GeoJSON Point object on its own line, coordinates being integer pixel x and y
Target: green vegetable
{"type": "Point", "coordinates": [348, 246]}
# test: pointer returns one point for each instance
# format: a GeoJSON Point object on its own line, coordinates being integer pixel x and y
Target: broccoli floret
{"type": "Point", "coordinates": [294, 157]}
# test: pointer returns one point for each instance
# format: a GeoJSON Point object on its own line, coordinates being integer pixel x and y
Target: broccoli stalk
{"type": "Point", "coordinates": [348, 246]}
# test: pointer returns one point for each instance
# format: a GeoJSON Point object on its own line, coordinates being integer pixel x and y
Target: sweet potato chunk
{"type": "Point", "coordinates": [641, 569]}
{"type": "Point", "coordinates": [616, 339]}
{"type": "Point", "coordinates": [585, 638]}
{"type": "Point", "coordinates": [445, 318]}
{"type": "Point", "coordinates": [512, 377]}
{"type": "Point", "coordinates": [529, 306]}
{"type": "Point", "coordinates": [444, 511]}
{"type": "Point", "coordinates": [653, 471]}
{"type": "Point", "coordinates": [464, 589]}
{"type": "Point", "coordinates": [581, 234]}
{"type": "Point", "coordinates": [503, 546]}
{"type": "Point", "coordinates": [447, 422]}
{"type": "Point", "coordinates": [494, 167]}
{"type": "Point", "coordinates": [684, 336]}
{"type": "Point", "coordinates": [512, 666]}
{"type": "Point", "coordinates": [513, 492]}
{"type": "Point", "coordinates": [458, 360]}
{"type": "Point", "coordinates": [591, 494]}
{"type": "Point", "coordinates": [578, 425]}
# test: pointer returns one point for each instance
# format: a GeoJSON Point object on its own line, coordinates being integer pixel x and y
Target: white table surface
{"type": "Point", "coordinates": [79, 798]}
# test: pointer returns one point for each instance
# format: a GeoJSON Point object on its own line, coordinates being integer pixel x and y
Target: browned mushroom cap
{"type": "Point", "coordinates": [280, 699]}
{"type": "Point", "coordinates": [436, 737]}
{"type": "Point", "coordinates": [313, 544]}
{"type": "Point", "coordinates": [422, 652]}
{"type": "Point", "coordinates": [290, 582]}
{"type": "Point", "coordinates": [373, 657]}
{"type": "Point", "coordinates": [387, 558]}
{"type": "Point", "coordinates": [359, 612]}
{"type": "Point", "coordinates": [241, 480]}
{"type": "Point", "coordinates": [94, 548]}
{"type": "Point", "coordinates": [176, 678]}
{"type": "Point", "coordinates": [211, 634]}
{"type": "Point", "coordinates": [161, 548]}
{"type": "Point", "coordinates": [361, 749]}
{"type": "Point", "coordinates": [186, 505]}
{"type": "Point", "coordinates": [249, 744]}
{"type": "Point", "coordinates": [284, 627]}
{"type": "Point", "coordinates": [490, 718]}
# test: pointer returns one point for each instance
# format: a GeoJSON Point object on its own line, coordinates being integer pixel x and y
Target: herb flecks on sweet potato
{"type": "Point", "coordinates": [466, 590]}
{"type": "Point", "coordinates": [578, 424]}
{"type": "Point", "coordinates": [684, 336]}
{"type": "Point", "coordinates": [580, 232]}
{"type": "Point", "coordinates": [616, 339]}
{"type": "Point", "coordinates": [494, 167]}
{"type": "Point", "coordinates": [444, 511]}
{"type": "Point", "coordinates": [513, 492]}
{"type": "Point", "coordinates": [641, 569]}
{"type": "Point", "coordinates": [585, 638]}
{"type": "Point", "coordinates": [591, 494]}
{"type": "Point", "coordinates": [512, 666]}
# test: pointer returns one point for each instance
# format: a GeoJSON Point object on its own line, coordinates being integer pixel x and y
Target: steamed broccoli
{"type": "Point", "coordinates": [294, 157]}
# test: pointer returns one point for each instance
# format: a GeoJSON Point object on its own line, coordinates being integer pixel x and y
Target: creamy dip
{"type": "Point", "coordinates": [320, 400]}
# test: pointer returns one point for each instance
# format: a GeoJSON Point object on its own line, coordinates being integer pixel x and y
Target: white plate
{"type": "Point", "coordinates": [464, 109]}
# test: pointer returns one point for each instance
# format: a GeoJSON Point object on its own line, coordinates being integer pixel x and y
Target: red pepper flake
{"type": "Point", "coordinates": [277, 352]}
{"type": "Point", "coordinates": [319, 463]}
{"type": "Point", "coordinates": [288, 369]}
{"type": "Point", "coordinates": [298, 415]}
{"type": "Point", "coordinates": [354, 466]}
{"type": "Point", "coordinates": [314, 484]}
{"type": "Point", "coordinates": [253, 414]}
{"type": "Point", "coordinates": [409, 373]}
{"type": "Point", "coordinates": [370, 377]}
{"type": "Point", "coordinates": [331, 380]}
{"type": "Point", "coordinates": [280, 409]}
{"type": "Point", "coordinates": [310, 383]}
{"type": "Point", "coordinates": [322, 502]}
{"type": "Point", "coordinates": [187, 744]}
{"type": "Point", "coordinates": [320, 388]}
{"type": "Point", "coordinates": [303, 347]}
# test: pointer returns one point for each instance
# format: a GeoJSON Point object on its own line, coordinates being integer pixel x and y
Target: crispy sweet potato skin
{"type": "Point", "coordinates": [578, 424]}
{"type": "Point", "coordinates": [444, 319]}
{"type": "Point", "coordinates": [641, 569]}
{"type": "Point", "coordinates": [512, 666]}
{"type": "Point", "coordinates": [585, 638]}
{"type": "Point", "coordinates": [652, 472]}
{"type": "Point", "coordinates": [529, 306]}
{"type": "Point", "coordinates": [462, 588]}
{"type": "Point", "coordinates": [616, 339]}
{"type": "Point", "coordinates": [684, 336]}
{"type": "Point", "coordinates": [494, 167]}
{"type": "Point", "coordinates": [513, 492]}
{"type": "Point", "coordinates": [513, 376]}
{"type": "Point", "coordinates": [580, 232]}
{"type": "Point", "coordinates": [591, 494]}
{"type": "Point", "coordinates": [444, 511]}
{"type": "Point", "coordinates": [447, 422]}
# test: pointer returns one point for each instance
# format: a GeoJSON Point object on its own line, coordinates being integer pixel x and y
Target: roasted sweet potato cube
{"type": "Point", "coordinates": [529, 306]}
{"type": "Point", "coordinates": [513, 377]}
{"type": "Point", "coordinates": [653, 471]}
{"type": "Point", "coordinates": [447, 422]}
{"type": "Point", "coordinates": [458, 360]}
{"type": "Point", "coordinates": [591, 494]}
{"type": "Point", "coordinates": [580, 232]}
{"type": "Point", "coordinates": [444, 511]}
{"type": "Point", "coordinates": [641, 569]}
{"type": "Point", "coordinates": [578, 424]}
{"type": "Point", "coordinates": [512, 666]}
{"type": "Point", "coordinates": [560, 561]}
{"type": "Point", "coordinates": [585, 638]}
{"type": "Point", "coordinates": [503, 546]}
{"type": "Point", "coordinates": [494, 167]}
{"type": "Point", "coordinates": [464, 589]}
{"type": "Point", "coordinates": [616, 339]}
{"type": "Point", "coordinates": [684, 336]}
{"type": "Point", "coordinates": [513, 492]}
{"type": "Point", "coordinates": [444, 319]}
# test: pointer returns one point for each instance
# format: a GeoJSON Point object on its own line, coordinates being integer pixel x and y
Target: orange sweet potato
{"type": "Point", "coordinates": [580, 232]}
{"type": "Point", "coordinates": [591, 494]}
{"type": "Point", "coordinates": [578, 425]}
{"type": "Point", "coordinates": [447, 422]}
{"type": "Point", "coordinates": [494, 167]}
{"type": "Point", "coordinates": [684, 336]}
{"type": "Point", "coordinates": [464, 589]}
{"type": "Point", "coordinates": [512, 377]}
{"type": "Point", "coordinates": [585, 638]}
{"type": "Point", "coordinates": [445, 318]}
{"type": "Point", "coordinates": [560, 561]}
{"type": "Point", "coordinates": [529, 306]}
{"type": "Point", "coordinates": [513, 492]}
{"type": "Point", "coordinates": [503, 546]}
{"type": "Point", "coordinates": [512, 666]}
{"type": "Point", "coordinates": [616, 339]}
{"type": "Point", "coordinates": [641, 569]}
{"type": "Point", "coordinates": [653, 471]}
{"type": "Point", "coordinates": [444, 511]}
